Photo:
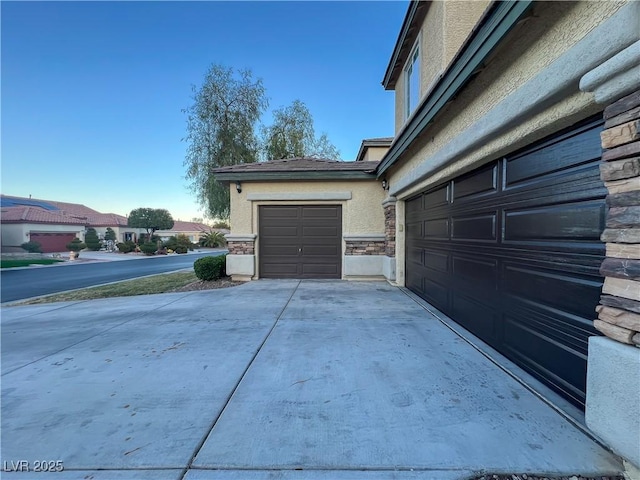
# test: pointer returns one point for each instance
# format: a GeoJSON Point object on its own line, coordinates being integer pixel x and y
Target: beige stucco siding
{"type": "Point", "coordinates": [374, 154]}
{"type": "Point", "coordinates": [362, 213]}
{"type": "Point", "coordinates": [439, 44]}
{"type": "Point", "coordinates": [459, 18]}
{"type": "Point", "coordinates": [552, 30]}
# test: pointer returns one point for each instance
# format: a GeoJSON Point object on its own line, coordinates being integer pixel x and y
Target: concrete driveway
{"type": "Point", "coordinates": [313, 380]}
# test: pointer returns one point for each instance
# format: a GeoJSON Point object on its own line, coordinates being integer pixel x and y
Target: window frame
{"type": "Point", "coordinates": [412, 71]}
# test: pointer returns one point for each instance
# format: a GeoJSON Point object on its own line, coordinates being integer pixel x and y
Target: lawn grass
{"type": "Point", "coordinates": [23, 262]}
{"type": "Point", "coordinates": [139, 286]}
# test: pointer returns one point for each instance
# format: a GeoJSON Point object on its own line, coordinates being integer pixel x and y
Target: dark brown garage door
{"type": "Point", "coordinates": [52, 241]}
{"type": "Point", "coordinates": [300, 241]}
{"type": "Point", "coordinates": [512, 251]}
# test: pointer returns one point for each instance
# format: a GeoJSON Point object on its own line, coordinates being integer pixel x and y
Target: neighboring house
{"type": "Point", "coordinates": [54, 224]}
{"type": "Point", "coordinates": [193, 230]}
{"type": "Point", "coordinates": [495, 204]}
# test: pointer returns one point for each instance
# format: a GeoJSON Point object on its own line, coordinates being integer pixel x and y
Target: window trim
{"type": "Point", "coordinates": [413, 60]}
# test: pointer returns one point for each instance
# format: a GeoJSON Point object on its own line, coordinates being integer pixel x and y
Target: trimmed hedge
{"type": "Point", "coordinates": [148, 248]}
{"type": "Point", "coordinates": [32, 247]}
{"type": "Point", "coordinates": [211, 268]}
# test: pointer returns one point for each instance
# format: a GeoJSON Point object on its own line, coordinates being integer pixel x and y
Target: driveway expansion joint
{"type": "Point", "coordinates": [237, 385]}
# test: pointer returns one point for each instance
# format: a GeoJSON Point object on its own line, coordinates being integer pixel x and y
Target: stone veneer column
{"type": "Point", "coordinates": [389, 262]}
{"type": "Point", "coordinates": [613, 367]}
{"type": "Point", "coordinates": [619, 309]}
{"type": "Point", "coordinates": [241, 257]}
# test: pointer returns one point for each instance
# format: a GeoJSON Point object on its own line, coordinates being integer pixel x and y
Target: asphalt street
{"type": "Point", "coordinates": [33, 282]}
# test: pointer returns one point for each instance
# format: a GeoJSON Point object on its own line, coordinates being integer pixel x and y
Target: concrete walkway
{"type": "Point", "coordinates": [313, 380]}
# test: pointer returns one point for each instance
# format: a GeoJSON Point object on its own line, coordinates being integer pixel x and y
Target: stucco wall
{"type": "Point", "coordinates": [13, 235]}
{"type": "Point", "coordinates": [373, 154]}
{"type": "Point", "coordinates": [536, 53]}
{"type": "Point", "coordinates": [446, 26]}
{"type": "Point", "coordinates": [552, 30]}
{"type": "Point", "coordinates": [361, 214]}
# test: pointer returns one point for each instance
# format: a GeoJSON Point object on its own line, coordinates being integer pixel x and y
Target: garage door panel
{"type": "Point", "coordinates": [319, 212]}
{"type": "Point", "coordinates": [478, 228]}
{"type": "Point", "coordinates": [414, 229]}
{"type": "Point", "coordinates": [482, 182]}
{"type": "Point", "coordinates": [476, 316]}
{"type": "Point", "coordinates": [436, 261]}
{"type": "Point", "coordinates": [279, 268]}
{"type": "Point", "coordinates": [520, 268]}
{"type": "Point", "coordinates": [559, 367]}
{"type": "Point", "coordinates": [313, 269]}
{"type": "Point", "coordinates": [320, 231]}
{"type": "Point", "coordinates": [577, 221]}
{"type": "Point", "coordinates": [279, 212]}
{"type": "Point", "coordinates": [554, 289]}
{"type": "Point", "coordinates": [438, 228]}
{"type": "Point", "coordinates": [564, 152]}
{"type": "Point", "coordinates": [439, 295]}
{"type": "Point", "coordinates": [281, 231]}
{"type": "Point", "coordinates": [279, 250]}
{"type": "Point", "coordinates": [483, 274]}
{"type": "Point", "coordinates": [320, 251]}
{"type": "Point", "coordinates": [436, 198]}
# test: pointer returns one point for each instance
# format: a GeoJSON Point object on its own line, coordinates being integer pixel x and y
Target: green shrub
{"type": "Point", "coordinates": [221, 224]}
{"type": "Point", "coordinates": [212, 239]}
{"type": "Point", "coordinates": [210, 268]}
{"type": "Point", "coordinates": [110, 234]}
{"type": "Point", "coordinates": [92, 240]}
{"type": "Point", "coordinates": [32, 247]}
{"type": "Point", "coordinates": [148, 248]}
{"type": "Point", "coordinates": [179, 241]}
{"type": "Point", "coordinates": [76, 245]}
{"type": "Point", "coordinates": [142, 238]}
{"type": "Point", "coordinates": [126, 247]}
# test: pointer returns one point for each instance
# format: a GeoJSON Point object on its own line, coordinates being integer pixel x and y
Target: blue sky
{"type": "Point", "coordinates": [93, 92]}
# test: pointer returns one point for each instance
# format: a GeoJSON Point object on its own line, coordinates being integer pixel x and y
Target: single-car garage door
{"type": "Point", "coordinates": [512, 250]}
{"type": "Point", "coordinates": [52, 241]}
{"type": "Point", "coordinates": [300, 241]}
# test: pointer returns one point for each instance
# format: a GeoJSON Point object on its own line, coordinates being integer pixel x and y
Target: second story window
{"type": "Point", "coordinates": [412, 80]}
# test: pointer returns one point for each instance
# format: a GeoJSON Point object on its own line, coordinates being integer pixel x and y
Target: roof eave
{"type": "Point", "coordinates": [288, 176]}
{"type": "Point", "coordinates": [396, 62]}
{"type": "Point", "coordinates": [492, 29]}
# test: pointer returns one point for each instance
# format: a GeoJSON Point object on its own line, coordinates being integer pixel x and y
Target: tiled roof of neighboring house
{"type": "Point", "coordinates": [37, 215]}
{"type": "Point", "coordinates": [378, 140]}
{"type": "Point", "coordinates": [29, 210]}
{"type": "Point", "coordinates": [295, 168]}
{"type": "Point", "coordinates": [180, 226]}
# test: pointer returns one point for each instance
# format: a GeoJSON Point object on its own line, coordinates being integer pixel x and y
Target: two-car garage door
{"type": "Point", "coordinates": [52, 241]}
{"type": "Point", "coordinates": [511, 251]}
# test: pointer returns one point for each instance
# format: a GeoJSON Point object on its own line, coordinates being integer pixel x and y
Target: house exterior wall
{"type": "Point", "coordinates": [15, 234]}
{"type": "Point", "coordinates": [373, 154]}
{"type": "Point", "coordinates": [540, 53]}
{"type": "Point", "coordinates": [363, 223]}
{"type": "Point", "coordinates": [444, 29]}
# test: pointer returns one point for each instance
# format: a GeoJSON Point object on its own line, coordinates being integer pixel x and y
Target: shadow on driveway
{"type": "Point", "coordinates": [311, 380]}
